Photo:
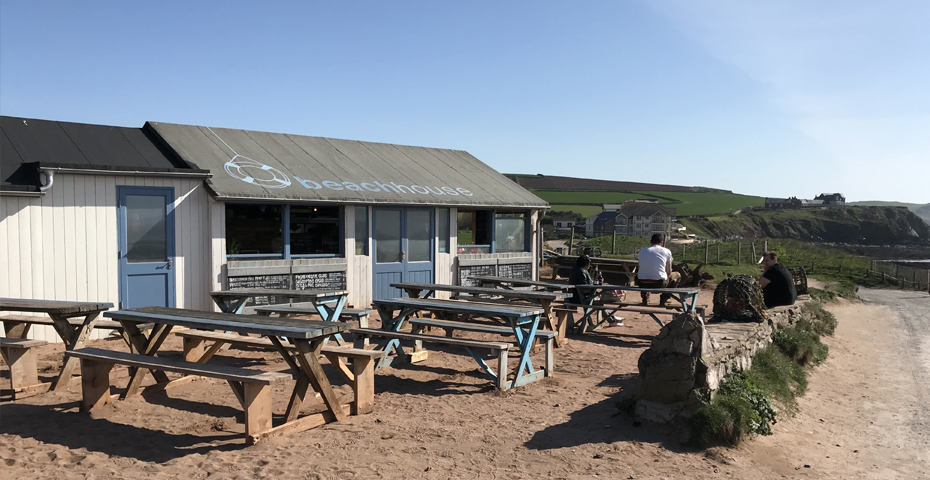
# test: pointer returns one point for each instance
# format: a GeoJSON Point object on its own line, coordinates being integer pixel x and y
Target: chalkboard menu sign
{"type": "Point", "coordinates": [523, 271]}
{"type": "Point", "coordinates": [262, 281]}
{"type": "Point", "coordinates": [320, 281]}
{"type": "Point", "coordinates": [475, 270]}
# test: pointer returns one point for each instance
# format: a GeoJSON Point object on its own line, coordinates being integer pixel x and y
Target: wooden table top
{"type": "Point", "coordinates": [518, 281]}
{"type": "Point", "coordinates": [685, 291]}
{"type": "Point", "coordinates": [52, 306]}
{"type": "Point", "coordinates": [278, 327]}
{"type": "Point", "coordinates": [460, 306]}
{"type": "Point", "coordinates": [527, 294]}
{"type": "Point", "coordinates": [261, 292]}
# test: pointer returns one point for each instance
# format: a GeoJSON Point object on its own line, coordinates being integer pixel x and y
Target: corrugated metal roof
{"type": "Point", "coordinates": [274, 166]}
{"type": "Point", "coordinates": [27, 144]}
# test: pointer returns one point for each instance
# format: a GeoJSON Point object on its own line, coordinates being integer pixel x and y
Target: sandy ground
{"type": "Point", "coordinates": [862, 418]}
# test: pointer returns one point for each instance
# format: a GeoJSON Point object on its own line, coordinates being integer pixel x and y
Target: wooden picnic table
{"type": "Point", "coordinates": [306, 335]}
{"type": "Point", "coordinates": [544, 299]}
{"type": "Point", "coordinates": [522, 319]}
{"type": "Point", "coordinates": [687, 297]}
{"type": "Point", "coordinates": [328, 303]}
{"type": "Point", "coordinates": [511, 283]}
{"type": "Point", "coordinates": [74, 336]}
{"type": "Point", "coordinates": [615, 270]}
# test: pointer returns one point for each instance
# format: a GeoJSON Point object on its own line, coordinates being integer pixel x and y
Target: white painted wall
{"type": "Point", "coordinates": [63, 245]}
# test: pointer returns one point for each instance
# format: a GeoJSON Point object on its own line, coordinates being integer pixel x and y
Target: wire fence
{"type": "Point", "coordinates": [906, 277]}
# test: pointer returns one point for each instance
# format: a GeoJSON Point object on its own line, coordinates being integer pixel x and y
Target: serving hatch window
{"type": "Point", "coordinates": [256, 231]}
{"type": "Point", "coordinates": [474, 231]}
{"type": "Point", "coordinates": [510, 232]}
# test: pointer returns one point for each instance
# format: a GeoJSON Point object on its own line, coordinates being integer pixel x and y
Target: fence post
{"type": "Point", "coordinates": [571, 241]}
{"type": "Point", "coordinates": [706, 249]}
{"type": "Point", "coordinates": [765, 246]}
{"type": "Point", "coordinates": [739, 252]}
{"type": "Point", "coordinates": [718, 253]}
{"type": "Point", "coordinates": [753, 246]}
{"type": "Point", "coordinates": [613, 244]}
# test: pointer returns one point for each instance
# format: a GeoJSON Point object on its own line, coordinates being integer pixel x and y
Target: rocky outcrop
{"type": "Point", "coordinates": [688, 359]}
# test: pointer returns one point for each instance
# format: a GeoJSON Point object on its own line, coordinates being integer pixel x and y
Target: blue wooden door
{"type": "Point", "coordinates": [145, 222]}
{"type": "Point", "coordinates": [403, 248]}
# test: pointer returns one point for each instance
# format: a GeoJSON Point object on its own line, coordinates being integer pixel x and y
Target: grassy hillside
{"type": "Point", "coordinates": [850, 225]}
{"type": "Point", "coordinates": [922, 210]}
{"type": "Point", "coordinates": [588, 202]}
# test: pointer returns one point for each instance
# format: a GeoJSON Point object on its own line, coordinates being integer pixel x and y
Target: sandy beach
{"type": "Point", "coordinates": [442, 419]}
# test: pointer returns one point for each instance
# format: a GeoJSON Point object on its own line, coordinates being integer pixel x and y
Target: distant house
{"type": "Point", "coordinates": [634, 218]}
{"type": "Point", "coordinates": [832, 199]}
{"type": "Point", "coordinates": [564, 221]}
{"type": "Point", "coordinates": [791, 202]}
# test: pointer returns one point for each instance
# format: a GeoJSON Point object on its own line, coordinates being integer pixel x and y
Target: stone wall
{"type": "Point", "coordinates": [688, 359]}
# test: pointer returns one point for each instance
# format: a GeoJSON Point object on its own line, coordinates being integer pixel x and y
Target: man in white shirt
{"type": "Point", "coordinates": [655, 269]}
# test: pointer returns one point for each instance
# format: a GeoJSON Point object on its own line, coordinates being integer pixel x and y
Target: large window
{"type": "Point", "coordinates": [509, 232]}
{"type": "Point", "coordinates": [361, 230]}
{"type": "Point", "coordinates": [255, 231]}
{"type": "Point", "coordinates": [314, 230]}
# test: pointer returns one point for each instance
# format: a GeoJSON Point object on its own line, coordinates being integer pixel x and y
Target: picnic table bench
{"type": "Point", "coordinates": [72, 321]}
{"type": "Point", "coordinates": [327, 303]}
{"type": "Point", "coordinates": [360, 377]}
{"type": "Point", "coordinates": [515, 283]}
{"type": "Point", "coordinates": [592, 317]}
{"type": "Point", "coordinates": [251, 387]}
{"type": "Point", "coordinates": [523, 320]}
{"type": "Point", "coordinates": [544, 299]}
{"type": "Point", "coordinates": [20, 356]}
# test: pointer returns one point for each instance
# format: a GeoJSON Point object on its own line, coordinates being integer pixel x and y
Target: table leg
{"type": "Point", "coordinates": [159, 333]}
{"type": "Point", "coordinates": [331, 315]}
{"type": "Point", "coordinates": [552, 322]}
{"type": "Point", "coordinates": [74, 338]}
{"type": "Point", "coordinates": [525, 341]}
{"type": "Point", "coordinates": [236, 305]}
{"type": "Point", "coordinates": [16, 329]}
{"type": "Point", "coordinates": [308, 353]}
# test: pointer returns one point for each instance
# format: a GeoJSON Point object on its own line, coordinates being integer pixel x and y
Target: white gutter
{"type": "Point", "coordinates": [49, 179]}
{"type": "Point", "coordinates": [126, 173]}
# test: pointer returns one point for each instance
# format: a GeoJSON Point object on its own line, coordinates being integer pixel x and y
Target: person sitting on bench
{"type": "Point", "coordinates": [580, 276]}
{"type": "Point", "coordinates": [776, 282]}
{"type": "Point", "coordinates": [655, 269]}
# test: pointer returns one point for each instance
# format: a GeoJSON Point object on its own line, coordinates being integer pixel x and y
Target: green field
{"type": "Point", "coordinates": [589, 202]}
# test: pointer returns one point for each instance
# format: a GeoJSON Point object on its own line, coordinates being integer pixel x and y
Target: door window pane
{"type": "Point", "coordinates": [361, 230]}
{"type": "Point", "coordinates": [419, 235]}
{"type": "Point", "coordinates": [315, 230]}
{"type": "Point", "coordinates": [387, 235]}
{"type": "Point", "coordinates": [146, 235]}
{"type": "Point", "coordinates": [510, 232]}
{"type": "Point", "coordinates": [442, 230]}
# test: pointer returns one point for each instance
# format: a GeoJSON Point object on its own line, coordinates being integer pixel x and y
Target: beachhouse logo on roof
{"type": "Point", "coordinates": [257, 173]}
{"type": "Point", "coordinates": [374, 186]}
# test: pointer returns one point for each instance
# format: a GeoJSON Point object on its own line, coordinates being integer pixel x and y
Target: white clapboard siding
{"type": "Point", "coordinates": [63, 245]}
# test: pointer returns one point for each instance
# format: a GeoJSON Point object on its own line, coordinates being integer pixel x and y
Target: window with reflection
{"type": "Point", "coordinates": [361, 230]}
{"type": "Point", "coordinates": [253, 230]}
{"type": "Point", "coordinates": [442, 229]}
{"type": "Point", "coordinates": [510, 232]}
{"type": "Point", "coordinates": [314, 230]}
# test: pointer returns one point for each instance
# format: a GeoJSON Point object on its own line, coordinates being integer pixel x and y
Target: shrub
{"type": "Point", "coordinates": [801, 344]}
{"type": "Point", "coordinates": [741, 408]}
{"type": "Point", "coordinates": [822, 322]}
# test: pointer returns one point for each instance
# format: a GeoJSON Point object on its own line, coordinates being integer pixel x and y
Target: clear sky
{"type": "Point", "coordinates": [784, 98]}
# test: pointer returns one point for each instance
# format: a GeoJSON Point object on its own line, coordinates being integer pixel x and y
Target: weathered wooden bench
{"type": "Point", "coordinates": [545, 337]}
{"type": "Point", "coordinates": [18, 325]}
{"type": "Point", "coordinates": [20, 356]}
{"type": "Point", "coordinates": [251, 387]}
{"type": "Point", "coordinates": [499, 349]}
{"type": "Point", "coordinates": [654, 312]}
{"type": "Point", "coordinates": [361, 377]}
{"type": "Point", "coordinates": [360, 316]}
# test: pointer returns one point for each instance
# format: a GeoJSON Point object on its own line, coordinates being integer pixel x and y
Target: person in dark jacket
{"type": "Point", "coordinates": [580, 276]}
{"type": "Point", "coordinates": [776, 282]}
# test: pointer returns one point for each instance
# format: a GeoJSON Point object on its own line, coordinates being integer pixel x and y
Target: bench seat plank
{"type": "Point", "coordinates": [473, 327]}
{"type": "Point", "coordinates": [224, 372]}
{"type": "Point", "coordinates": [374, 332]}
{"type": "Point", "coordinates": [20, 343]}
{"type": "Point", "coordinates": [309, 310]}
{"type": "Point", "coordinates": [262, 342]}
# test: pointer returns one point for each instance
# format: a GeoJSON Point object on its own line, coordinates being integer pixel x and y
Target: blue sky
{"type": "Point", "coordinates": [788, 98]}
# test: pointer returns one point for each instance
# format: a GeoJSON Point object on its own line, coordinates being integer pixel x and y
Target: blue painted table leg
{"type": "Point", "coordinates": [331, 314]}
{"type": "Point", "coordinates": [526, 344]}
